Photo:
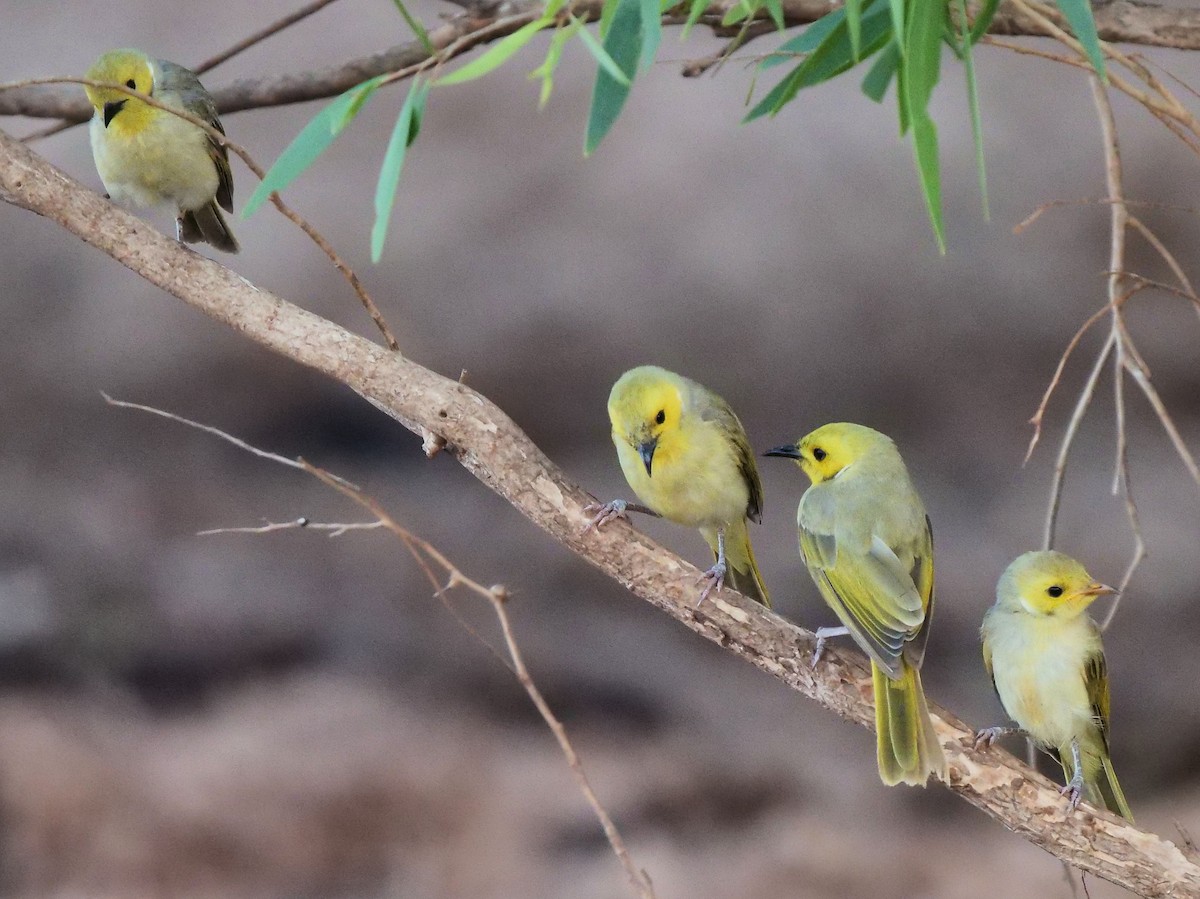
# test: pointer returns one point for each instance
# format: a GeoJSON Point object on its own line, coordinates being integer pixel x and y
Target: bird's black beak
{"type": "Point", "coordinates": [646, 451]}
{"type": "Point", "coordinates": [111, 110]}
{"type": "Point", "coordinates": [788, 450]}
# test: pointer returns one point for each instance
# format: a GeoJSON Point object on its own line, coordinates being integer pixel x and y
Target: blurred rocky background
{"type": "Point", "coordinates": [290, 715]}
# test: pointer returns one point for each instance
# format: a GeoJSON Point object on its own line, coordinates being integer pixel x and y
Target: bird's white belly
{"type": "Point", "coordinates": [1041, 683]}
{"type": "Point", "coordinates": [166, 162]}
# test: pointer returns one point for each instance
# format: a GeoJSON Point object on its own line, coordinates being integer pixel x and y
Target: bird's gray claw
{"type": "Point", "coordinates": [605, 512]}
{"type": "Point", "coordinates": [823, 634]}
{"type": "Point", "coordinates": [986, 737]}
{"type": "Point", "coordinates": [1074, 789]}
{"type": "Point", "coordinates": [817, 650]}
{"type": "Point", "coordinates": [716, 580]}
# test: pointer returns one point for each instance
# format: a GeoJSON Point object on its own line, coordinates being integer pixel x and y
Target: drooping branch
{"type": "Point", "coordinates": [493, 448]}
{"type": "Point", "coordinates": [1119, 21]}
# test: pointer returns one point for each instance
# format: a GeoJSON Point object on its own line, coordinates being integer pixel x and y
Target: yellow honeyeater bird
{"type": "Point", "coordinates": [147, 156]}
{"type": "Point", "coordinates": [1046, 660]}
{"type": "Point", "coordinates": [686, 456]}
{"type": "Point", "coordinates": [866, 540]}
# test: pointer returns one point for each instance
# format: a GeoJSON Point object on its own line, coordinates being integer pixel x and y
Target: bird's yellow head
{"type": "Point", "coordinates": [131, 68]}
{"type": "Point", "coordinates": [645, 408]}
{"type": "Point", "coordinates": [1048, 583]}
{"type": "Point", "coordinates": [833, 448]}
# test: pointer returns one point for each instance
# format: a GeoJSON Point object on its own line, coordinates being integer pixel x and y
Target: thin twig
{"type": "Point", "coordinates": [1168, 424]}
{"type": "Point", "coordinates": [1064, 450]}
{"type": "Point", "coordinates": [1186, 290]}
{"type": "Point", "coordinates": [1124, 354]}
{"type": "Point", "coordinates": [1161, 103]}
{"type": "Point", "coordinates": [423, 551]}
{"type": "Point", "coordinates": [1040, 414]}
{"type": "Point", "coordinates": [333, 528]}
{"type": "Point", "coordinates": [1043, 208]}
{"type": "Point", "coordinates": [261, 35]}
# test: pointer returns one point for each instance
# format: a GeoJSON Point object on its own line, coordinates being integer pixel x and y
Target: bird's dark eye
{"type": "Point", "coordinates": [1055, 591]}
{"type": "Point", "coordinates": [131, 84]}
{"type": "Point", "coordinates": [819, 454]}
{"type": "Point", "coordinates": [660, 417]}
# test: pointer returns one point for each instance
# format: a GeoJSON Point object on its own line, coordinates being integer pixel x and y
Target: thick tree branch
{"type": "Point", "coordinates": [493, 448]}
{"type": "Point", "coordinates": [1119, 21]}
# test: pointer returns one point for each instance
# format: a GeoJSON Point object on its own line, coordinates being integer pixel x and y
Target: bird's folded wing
{"type": "Point", "coordinates": [1095, 675]}
{"type": "Point", "coordinates": [871, 592]}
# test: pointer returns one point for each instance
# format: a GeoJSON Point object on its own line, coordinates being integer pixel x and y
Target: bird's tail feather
{"type": "Point", "coordinates": [907, 746]}
{"type": "Point", "coordinates": [206, 225]}
{"type": "Point", "coordinates": [1110, 790]}
{"type": "Point", "coordinates": [1100, 784]}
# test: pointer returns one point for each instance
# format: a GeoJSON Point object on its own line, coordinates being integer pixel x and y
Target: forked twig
{"type": "Point", "coordinates": [262, 34]}
{"type": "Point", "coordinates": [427, 557]}
{"type": "Point", "coordinates": [1125, 356]}
{"type": "Point", "coordinates": [1161, 103]}
{"type": "Point", "coordinates": [1064, 450]}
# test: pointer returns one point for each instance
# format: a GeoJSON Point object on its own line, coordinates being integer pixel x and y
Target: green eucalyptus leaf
{"type": "Point", "coordinates": [553, 56]}
{"type": "Point", "coordinates": [312, 141]}
{"type": "Point", "coordinates": [694, 14]}
{"type": "Point", "coordinates": [600, 52]}
{"type": "Point", "coordinates": [973, 102]}
{"type": "Point", "coordinates": [807, 40]}
{"type": "Point", "coordinates": [1083, 24]}
{"type": "Point", "coordinates": [876, 83]}
{"type": "Point", "coordinates": [983, 20]}
{"type": "Point", "coordinates": [408, 125]}
{"type": "Point", "coordinates": [496, 55]}
{"type": "Point", "coordinates": [775, 10]}
{"type": "Point", "coordinates": [832, 56]}
{"type": "Point", "coordinates": [417, 28]}
{"type": "Point", "coordinates": [925, 148]}
{"type": "Point", "coordinates": [651, 13]}
{"type": "Point", "coordinates": [622, 47]}
{"type": "Point", "coordinates": [854, 24]}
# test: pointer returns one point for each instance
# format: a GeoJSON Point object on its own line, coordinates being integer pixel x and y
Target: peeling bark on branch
{"type": "Point", "coordinates": [493, 448]}
{"type": "Point", "coordinates": [1119, 21]}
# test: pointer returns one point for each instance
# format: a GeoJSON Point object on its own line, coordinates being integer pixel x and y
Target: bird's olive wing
{"type": "Point", "coordinates": [1095, 676]}
{"type": "Point", "coordinates": [987, 663]}
{"type": "Point", "coordinates": [200, 103]}
{"type": "Point", "coordinates": [922, 575]}
{"type": "Point", "coordinates": [220, 157]}
{"type": "Point", "coordinates": [713, 408]}
{"type": "Point", "coordinates": [869, 589]}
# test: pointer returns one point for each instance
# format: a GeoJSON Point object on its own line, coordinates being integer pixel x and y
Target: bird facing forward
{"type": "Point", "coordinates": [686, 456]}
{"type": "Point", "coordinates": [147, 156]}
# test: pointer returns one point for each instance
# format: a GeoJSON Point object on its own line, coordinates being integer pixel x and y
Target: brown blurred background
{"type": "Point", "coordinates": [292, 715]}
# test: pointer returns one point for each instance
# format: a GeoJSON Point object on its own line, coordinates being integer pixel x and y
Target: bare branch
{"type": "Point", "coordinates": [261, 35]}
{"type": "Point", "coordinates": [1124, 21]}
{"type": "Point", "coordinates": [491, 446]}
